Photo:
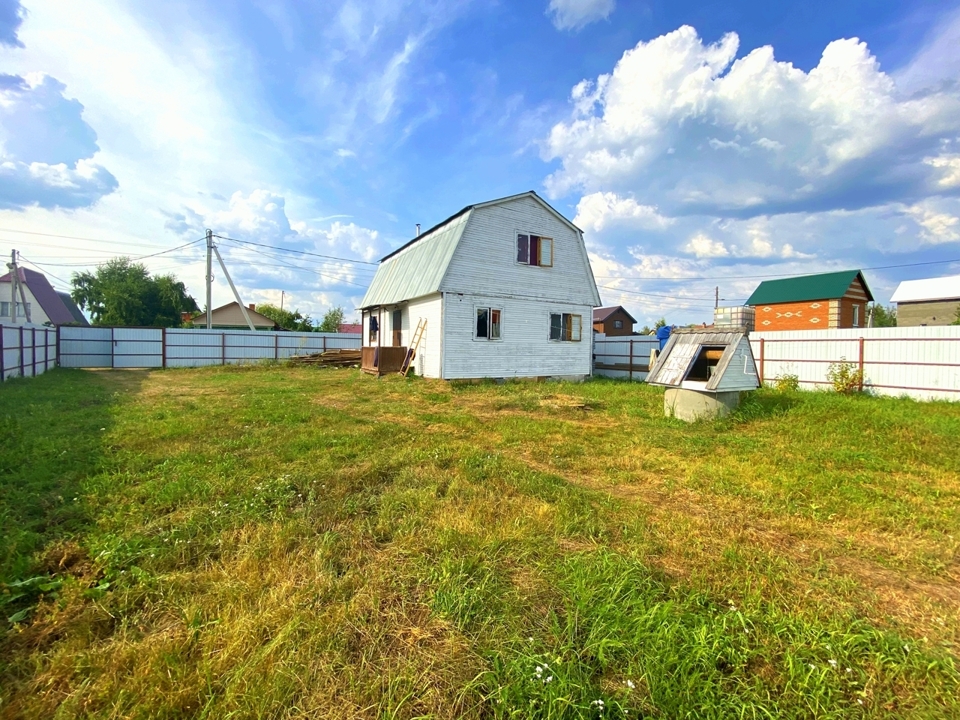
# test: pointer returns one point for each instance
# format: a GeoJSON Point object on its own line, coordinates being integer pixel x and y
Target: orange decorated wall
{"type": "Point", "coordinates": [813, 315]}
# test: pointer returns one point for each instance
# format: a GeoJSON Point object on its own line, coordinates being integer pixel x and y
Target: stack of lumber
{"type": "Point", "coordinates": [335, 358]}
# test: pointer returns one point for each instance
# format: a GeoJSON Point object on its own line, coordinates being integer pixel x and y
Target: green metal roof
{"type": "Point", "coordinates": [808, 287]}
{"type": "Point", "coordinates": [418, 268]}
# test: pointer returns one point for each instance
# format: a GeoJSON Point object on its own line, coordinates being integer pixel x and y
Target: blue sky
{"type": "Point", "coordinates": [697, 144]}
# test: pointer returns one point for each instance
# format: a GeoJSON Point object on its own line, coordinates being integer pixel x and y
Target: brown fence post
{"type": "Point", "coordinates": [21, 351]}
{"type": "Point", "coordinates": [113, 349]}
{"type": "Point", "coordinates": [223, 348]}
{"type": "Point", "coordinates": [630, 371]}
{"type": "Point", "coordinates": [324, 343]}
{"type": "Point", "coordinates": [33, 354]}
{"type": "Point", "coordinates": [58, 346]}
{"type": "Point", "coordinates": [276, 346]}
{"type": "Point", "coordinates": [3, 369]}
{"type": "Point", "coordinates": [163, 348]}
{"type": "Point", "coordinates": [860, 364]}
{"type": "Point", "coordinates": [761, 361]}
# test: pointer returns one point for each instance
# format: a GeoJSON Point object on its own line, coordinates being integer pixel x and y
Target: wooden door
{"type": "Point", "coordinates": [397, 331]}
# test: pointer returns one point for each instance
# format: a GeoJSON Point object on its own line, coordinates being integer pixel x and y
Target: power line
{"type": "Point", "coordinates": [299, 252]}
{"type": "Point", "coordinates": [45, 272]}
{"type": "Point", "coordinates": [294, 267]}
{"type": "Point", "coordinates": [322, 263]}
{"type": "Point", "coordinates": [72, 237]}
{"type": "Point", "coordinates": [132, 259]}
{"type": "Point", "coordinates": [774, 275]}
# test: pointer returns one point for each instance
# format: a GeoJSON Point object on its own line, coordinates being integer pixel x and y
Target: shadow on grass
{"type": "Point", "coordinates": [765, 403]}
{"type": "Point", "coordinates": [53, 431]}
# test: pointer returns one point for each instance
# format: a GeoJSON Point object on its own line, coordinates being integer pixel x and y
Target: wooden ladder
{"type": "Point", "coordinates": [414, 344]}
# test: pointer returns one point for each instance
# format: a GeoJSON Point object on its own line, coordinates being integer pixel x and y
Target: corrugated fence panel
{"type": "Point", "coordinates": [27, 350]}
{"type": "Point", "coordinates": [921, 362]}
{"type": "Point", "coordinates": [86, 347]}
{"type": "Point", "coordinates": [612, 356]}
{"type": "Point", "coordinates": [137, 347]}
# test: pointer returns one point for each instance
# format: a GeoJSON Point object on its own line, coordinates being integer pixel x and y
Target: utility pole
{"type": "Point", "coordinates": [716, 297]}
{"type": "Point", "coordinates": [243, 308]}
{"type": "Point", "coordinates": [15, 284]}
{"type": "Point", "coordinates": [209, 277]}
{"type": "Point", "coordinates": [281, 299]}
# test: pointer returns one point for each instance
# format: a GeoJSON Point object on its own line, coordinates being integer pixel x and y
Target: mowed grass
{"type": "Point", "coordinates": [290, 542]}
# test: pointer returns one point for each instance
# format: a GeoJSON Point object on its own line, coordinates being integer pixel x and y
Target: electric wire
{"type": "Point", "coordinates": [299, 252]}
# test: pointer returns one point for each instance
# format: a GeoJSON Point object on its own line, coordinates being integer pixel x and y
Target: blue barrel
{"type": "Point", "coordinates": [663, 334]}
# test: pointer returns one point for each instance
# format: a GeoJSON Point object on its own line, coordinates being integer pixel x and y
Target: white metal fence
{"type": "Point", "coordinates": [96, 347]}
{"type": "Point", "coordinates": [26, 350]}
{"type": "Point", "coordinates": [623, 357]}
{"type": "Point", "coordinates": [922, 362]}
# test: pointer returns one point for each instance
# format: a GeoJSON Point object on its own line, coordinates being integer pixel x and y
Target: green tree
{"type": "Point", "coordinates": [660, 323]}
{"type": "Point", "coordinates": [122, 292]}
{"type": "Point", "coordinates": [956, 317]}
{"type": "Point", "coordinates": [884, 316]}
{"type": "Point", "coordinates": [332, 320]}
{"type": "Point", "coordinates": [287, 319]}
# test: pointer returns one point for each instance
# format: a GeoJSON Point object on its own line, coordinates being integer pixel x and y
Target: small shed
{"type": "Point", "coordinates": [931, 301]}
{"type": "Point", "coordinates": [704, 372]}
{"type": "Point", "coordinates": [613, 321]}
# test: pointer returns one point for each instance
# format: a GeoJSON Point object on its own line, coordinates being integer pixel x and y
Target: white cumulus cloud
{"type": "Point", "coordinates": [698, 130]}
{"type": "Point", "coordinates": [597, 210]}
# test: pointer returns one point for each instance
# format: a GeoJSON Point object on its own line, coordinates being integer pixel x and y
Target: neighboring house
{"type": "Point", "coordinates": [505, 288]}
{"type": "Point", "coordinates": [933, 301]}
{"type": "Point", "coordinates": [613, 321]}
{"type": "Point", "coordinates": [46, 305]}
{"type": "Point", "coordinates": [812, 302]}
{"type": "Point", "coordinates": [352, 328]}
{"type": "Point", "coordinates": [230, 317]}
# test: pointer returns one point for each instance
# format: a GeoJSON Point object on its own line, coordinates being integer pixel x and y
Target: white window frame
{"type": "Point", "coordinates": [522, 233]}
{"type": "Point", "coordinates": [575, 319]}
{"type": "Point", "coordinates": [856, 315]}
{"type": "Point", "coordinates": [490, 310]}
{"type": "Point", "coordinates": [618, 324]}
{"type": "Point", "coordinates": [20, 312]}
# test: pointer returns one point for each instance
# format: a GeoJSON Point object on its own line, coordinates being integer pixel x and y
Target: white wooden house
{"type": "Point", "coordinates": [505, 289]}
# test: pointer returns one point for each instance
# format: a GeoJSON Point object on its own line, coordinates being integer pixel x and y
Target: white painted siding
{"type": "Point", "coordinates": [741, 371]}
{"type": "Point", "coordinates": [428, 360]}
{"type": "Point", "coordinates": [485, 261]}
{"type": "Point", "coordinates": [525, 350]}
{"type": "Point", "coordinates": [37, 315]}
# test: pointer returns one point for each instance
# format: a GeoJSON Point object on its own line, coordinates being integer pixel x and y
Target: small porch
{"type": "Point", "coordinates": [382, 360]}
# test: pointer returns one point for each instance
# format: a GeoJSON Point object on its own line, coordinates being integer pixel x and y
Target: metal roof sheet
{"type": "Point", "coordinates": [941, 288]}
{"type": "Point", "coordinates": [681, 350]}
{"type": "Point", "coordinates": [825, 286]}
{"type": "Point", "coordinates": [417, 269]}
{"type": "Point", "coordinates": [53, 306]}
{"type": "Point", "coordinates": [602, 313]}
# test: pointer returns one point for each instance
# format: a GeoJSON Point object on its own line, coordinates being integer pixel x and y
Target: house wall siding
{"type": "Point", "coordinates": [935, 312]}
{"type": "Point", "coordinates": [37, 315]}
{"type": "Point", "coordinates": [811, 315]}
{"type": "Point", "coordinates": [485, 260]}
{"type": "Point", "coordinates": [428, 360]}
{"type": "Point", "coordinates": [525, 349]}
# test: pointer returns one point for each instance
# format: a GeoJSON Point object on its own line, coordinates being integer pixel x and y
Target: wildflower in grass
{"type": "Point", "coordinates": [906, 648]}
{"type": "Point", "coordinates": [630, 684]}
{"type": "Point", "coordinates": [833, 663]}
{"type": "Point", "coordinates": [812, 666]}
{"type": "Point", "coordinates": [849, 670]}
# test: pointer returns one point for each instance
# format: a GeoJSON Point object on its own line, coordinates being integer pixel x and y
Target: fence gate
{"type": "Point", "coordinates": [137, 347]}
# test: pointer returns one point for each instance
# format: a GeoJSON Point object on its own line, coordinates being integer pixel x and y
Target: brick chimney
{"type": "Point", "coordinates": [252, 306]}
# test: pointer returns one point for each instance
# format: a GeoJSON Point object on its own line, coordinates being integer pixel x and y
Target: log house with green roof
{"type": "Point", "coordinates": [812, 302]}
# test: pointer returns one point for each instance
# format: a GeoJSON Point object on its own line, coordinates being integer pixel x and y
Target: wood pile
{"type": "Point", "coordinates": [329, 358]}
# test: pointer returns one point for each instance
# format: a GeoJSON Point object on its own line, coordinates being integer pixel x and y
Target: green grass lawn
{"type": "Point", "coordinates": [301, 542]}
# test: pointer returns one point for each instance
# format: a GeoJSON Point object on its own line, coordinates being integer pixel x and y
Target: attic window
{"type": "Point", "coordinates": [565, 327]}
{"type": "Point", "coordinates": [618, 324]}
{"type": "Point", "coordinates": [705, 363]}
{"type": "Point", "coordinates": [534, 250]}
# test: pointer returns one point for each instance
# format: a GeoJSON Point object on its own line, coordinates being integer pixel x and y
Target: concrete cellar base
{"type": "Point", "coordinates": [692, 405]}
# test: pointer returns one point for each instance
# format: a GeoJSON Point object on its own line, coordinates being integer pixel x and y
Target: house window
{"type": "Point", "coordinates": [856, 316]}
{"type": "Point", "coordinates": [618, 324]}
{"type": "Point", "coordinates": [565, 327]}
{"type": "Point", "coordinates": [488, 324]}
{"type": "Point", "coordinates": [5, 309]}
{"type": "Point", "coordinates": [534, 250]}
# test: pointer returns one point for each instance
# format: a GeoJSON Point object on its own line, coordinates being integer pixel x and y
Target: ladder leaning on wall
{"type": "Point", "coordinates": [414, 345]}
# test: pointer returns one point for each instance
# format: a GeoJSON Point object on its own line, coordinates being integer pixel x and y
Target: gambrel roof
{"type": "Point", "coordinates": [417, 268]}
